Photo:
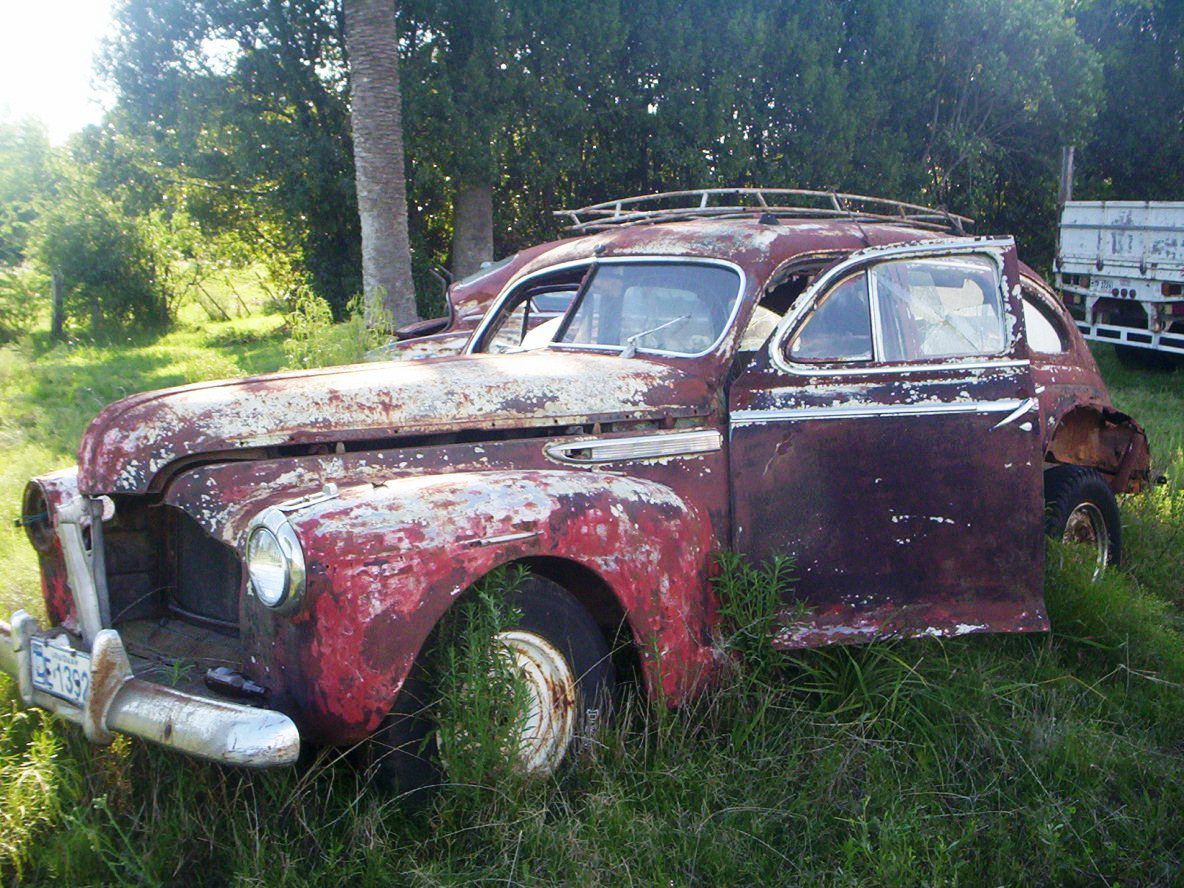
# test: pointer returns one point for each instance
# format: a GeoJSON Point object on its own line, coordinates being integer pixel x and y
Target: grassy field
{"type": "Point", "coordinates": [988, 760]}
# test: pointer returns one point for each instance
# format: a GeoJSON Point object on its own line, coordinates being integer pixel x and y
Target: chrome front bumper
{"type": "Point", "coordinates": [217, 730]}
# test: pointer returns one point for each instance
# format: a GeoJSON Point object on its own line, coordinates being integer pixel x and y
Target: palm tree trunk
{"type": "Point", "coordinates": [472, 238]}
{"type": "Point", "coordinates": [372, 43]}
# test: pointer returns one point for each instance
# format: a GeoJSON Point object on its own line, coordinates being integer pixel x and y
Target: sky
{"type": "Point", "coordinates": [47, 50]}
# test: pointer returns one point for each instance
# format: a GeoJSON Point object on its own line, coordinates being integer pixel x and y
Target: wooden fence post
{"type": "Point", "coordinates": [57, 320]}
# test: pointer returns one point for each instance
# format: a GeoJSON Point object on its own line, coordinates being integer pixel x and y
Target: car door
{"type": "Point", "coordinates": [887, 438]}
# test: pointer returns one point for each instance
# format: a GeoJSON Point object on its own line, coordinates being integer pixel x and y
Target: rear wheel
{"type": "Point", "coordinates": [562, 660]}
{"type": "Point", "coordinates": [1080, 509]}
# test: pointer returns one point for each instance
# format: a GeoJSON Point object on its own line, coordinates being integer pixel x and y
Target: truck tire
{"type": "Point", "coordinates": [1080, 508]}
{"type": "Point", "coordinates": [1134, 358]}
{"type": "Point", "coordinates": [565, 663]}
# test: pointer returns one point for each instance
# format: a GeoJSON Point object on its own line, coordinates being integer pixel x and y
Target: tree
{"type": "Point", "coordinates": [461, 54]}
{"type": "Point", "coordinates": [376, 115]}
{"type": "Point", "coordinates": [107, 260]}
{"type": "Point", "coordinates": [237, 110]}
{"type": "Point", "coordinates": [1134, 151]}
{"type": "Point", "coordinates": [515, 108]}
{"type": "Point", "coordinates": [27, 180]}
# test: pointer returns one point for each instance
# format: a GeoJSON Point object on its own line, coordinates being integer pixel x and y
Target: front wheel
{"type": "Point", "coordinates": [560, 657]}
{"type": "Point", "coordinates": [1080, 509]}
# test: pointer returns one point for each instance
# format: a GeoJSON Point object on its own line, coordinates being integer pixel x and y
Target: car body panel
{"type": "Point", "coordinates": [931, 472]}
{"type": "Point", "coordinates": [618, 477]}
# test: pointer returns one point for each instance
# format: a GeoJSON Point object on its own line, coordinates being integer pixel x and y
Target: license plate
{"type": "Point", "coordinates": [1101, 285]}
{"type": "Point", "coordinates": [60, 671]}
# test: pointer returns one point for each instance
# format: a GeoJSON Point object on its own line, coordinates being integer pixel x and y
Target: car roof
{"type": "Point", "coordinates": [757, 245]}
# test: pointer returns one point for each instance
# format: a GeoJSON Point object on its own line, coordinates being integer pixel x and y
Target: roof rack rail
{"type": "Point", "coordinates": [674, 206]}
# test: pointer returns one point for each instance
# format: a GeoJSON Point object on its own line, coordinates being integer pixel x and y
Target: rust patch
{"type": "Point", "coordinates": [1106, 440]}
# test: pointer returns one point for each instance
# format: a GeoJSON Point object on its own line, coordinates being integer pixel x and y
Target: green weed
{"type": "Point", "coordinates": [1044, 759]}
{"type": "Point", "coordinates": [315, 341]}
{"type": "Point", "coordinates": [482, 700]}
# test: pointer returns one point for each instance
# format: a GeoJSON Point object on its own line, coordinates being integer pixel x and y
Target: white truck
{"type": "Point", "coordinates": [1120, 269]}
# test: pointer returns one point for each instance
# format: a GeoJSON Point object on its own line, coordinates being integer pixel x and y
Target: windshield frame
{"type": "Point", "coordinates": [593, 262]}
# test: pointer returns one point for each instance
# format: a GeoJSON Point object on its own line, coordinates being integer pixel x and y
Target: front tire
{"type": "Point", "coordinates": [1080, 509]}
{"type": "Point", "coordinates": [560, 655]}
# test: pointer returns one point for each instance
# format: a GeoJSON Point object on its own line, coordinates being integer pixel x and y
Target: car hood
{"type": "Point", "coordinates": [131, 441]}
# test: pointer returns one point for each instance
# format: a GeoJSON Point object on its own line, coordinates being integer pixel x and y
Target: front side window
{"type": "Point", "coordinates": [530, 324]}
{"type": "Point", "coordinates": [939, 308]}
{"type": "Point", "coordinates": [670, 307]}
{"type": "Point", "coordinates": [840, 328]}
{"type": "Point", "coordinates": [530, 317]}
{"type": "Point", "coordinates": [906, 310]}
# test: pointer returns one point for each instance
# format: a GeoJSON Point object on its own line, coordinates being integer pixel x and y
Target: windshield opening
{"type": "Point", "coordinates": [665, 307]}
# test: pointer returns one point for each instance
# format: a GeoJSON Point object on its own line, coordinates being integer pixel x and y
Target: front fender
{"type": "Point", "coordinates": [47, 495]}
{"type": "Point", "coordinates": [386, 562]}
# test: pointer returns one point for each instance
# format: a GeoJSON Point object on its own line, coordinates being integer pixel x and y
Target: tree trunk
{"type": "Point", "coordinates": [58, 311]}
{"type": "Point", "coordinates": [372, 43]}
{"type": "Point", "coordinates": [472, 235]}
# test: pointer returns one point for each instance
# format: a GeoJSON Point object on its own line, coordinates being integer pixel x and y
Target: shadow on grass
{"type": "Point", "coordinates": [53, 397]}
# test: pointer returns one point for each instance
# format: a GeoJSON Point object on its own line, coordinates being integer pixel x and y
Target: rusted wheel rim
{"type": "Point", "coordinates": [1086, 526]}
{"type": "Point", "coordinates": [549, 725]}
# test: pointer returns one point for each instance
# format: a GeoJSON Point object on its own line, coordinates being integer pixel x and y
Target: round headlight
{"type": "Point", "coordinates": [275, 563]}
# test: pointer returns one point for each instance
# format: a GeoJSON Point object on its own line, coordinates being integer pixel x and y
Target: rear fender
{"type": "Point", "coordinates": [385, 563]}
{"type": "Point", "coordinates": [1102, 438]}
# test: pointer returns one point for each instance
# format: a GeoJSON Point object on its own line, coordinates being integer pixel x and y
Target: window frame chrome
{"type": "Point", "coordinates": [991, 248]}
{"type": "Point", "coordinates": [510, 288]}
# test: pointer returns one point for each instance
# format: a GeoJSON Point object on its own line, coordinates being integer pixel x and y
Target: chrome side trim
{"type": "Point", "coordinates": [865, 411]}
{"type": "Point", "coordinates": [326, 493]}
{"type": "Point", "coordinates": [1025, 407]}
{"type": "Point", "coordinates": [502, 538]}
{"type": "Point", "coordinates": [902, 369]}
{"type": "Point", "coordinates": [655, 446]}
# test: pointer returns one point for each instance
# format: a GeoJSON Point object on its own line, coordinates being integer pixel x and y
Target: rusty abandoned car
{"type": "Point", "coordinates": [904, 409]}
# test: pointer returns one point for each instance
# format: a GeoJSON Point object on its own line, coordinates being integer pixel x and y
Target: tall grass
{"type": "Point", "coordinates": [1048, 759]}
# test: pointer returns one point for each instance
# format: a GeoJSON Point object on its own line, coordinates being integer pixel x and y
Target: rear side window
{"type": "Point", "coordinates": [1046, 335]}
{"type": "Point", "coordinates": [939, 308]}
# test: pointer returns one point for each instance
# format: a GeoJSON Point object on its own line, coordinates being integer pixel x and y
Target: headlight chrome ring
{"type": "Point", "coordinates": [275, 561]}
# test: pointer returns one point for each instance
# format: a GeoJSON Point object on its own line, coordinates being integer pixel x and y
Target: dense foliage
{"type": "Point", "coordinates": [107, 260]}
{"type": "Point", "coordinates": [239, 110]}
{"type": "Point", "coordinates": [26, 179]}
{"type": "Point", "coordinates": [234, 116]}
{"type": "Point", "coordinates": [1134, 150]}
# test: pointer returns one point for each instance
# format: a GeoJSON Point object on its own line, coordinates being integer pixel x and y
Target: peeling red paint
{"type": "Point", "coordinates": [406, 482]}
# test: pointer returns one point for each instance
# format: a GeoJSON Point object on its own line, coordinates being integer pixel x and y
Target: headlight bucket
{"type": "Point", "coordinates": [275, 562]}
{"type": "Point", "coordinates": [35, 518]}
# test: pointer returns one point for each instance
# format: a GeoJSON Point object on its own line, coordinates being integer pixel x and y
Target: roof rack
{"type": "Point", "coordinates": [701, 203]}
